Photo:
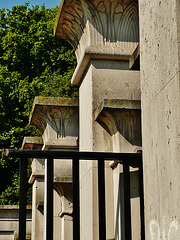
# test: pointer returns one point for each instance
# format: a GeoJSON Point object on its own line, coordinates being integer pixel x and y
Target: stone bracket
{"type": "Point", "coordinates": [123, 116]}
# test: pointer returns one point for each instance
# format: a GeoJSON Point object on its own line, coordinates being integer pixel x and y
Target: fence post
{"type": "Point", "coordinates": [127, 200]}
{"type": "Point", "coordinates": [49, 198]}
{"type": "Point", "coordinates": [101, 193]}
{"type": "Point", "coordinates": [141, 192]}
{"type": "Point", "coordinates": [76, 207]}
{"type": "Point", "coordinates": [22, 198]}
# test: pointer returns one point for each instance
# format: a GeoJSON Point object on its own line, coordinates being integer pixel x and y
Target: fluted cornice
{"type": "Point", "coordinates": [109, 21]}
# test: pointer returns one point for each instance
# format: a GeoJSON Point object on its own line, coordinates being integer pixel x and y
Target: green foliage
{"type": "Point", "coordinates": [32, 63]}
{"type": "Point", "coordinates": [10, 195]}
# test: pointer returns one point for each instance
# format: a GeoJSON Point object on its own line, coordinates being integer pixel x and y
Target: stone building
{"type": "Point", "coordinates": [128, 55]}
{"type": "Point", "coordinates": [105, 35]}
{"type": "Point", "coordinates": [128, 60]}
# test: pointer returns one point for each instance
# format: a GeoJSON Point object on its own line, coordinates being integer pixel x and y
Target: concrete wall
{"type": "Point", "coordinates": [9, 222]}
{"type": "Point", "coordinates": [160, 55]}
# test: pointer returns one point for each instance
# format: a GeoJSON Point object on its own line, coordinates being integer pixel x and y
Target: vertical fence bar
{"type": "Point", "coordinates": [141, 191]}
{"type": "Point", "coordinates": [49, 198]}
{"type": "Point", "coordinates": [23, 198]}
{"type": "Point", "coordinates": [76, 202]}
{"type": "Point", "coordinates": [101, 194]}
{"type": "Point", "coordinates": [127, 201]}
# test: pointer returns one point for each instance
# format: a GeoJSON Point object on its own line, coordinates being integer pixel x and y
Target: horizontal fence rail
{"type": "Point", "coordinates": [19, 153]}
{"type": "Point", "coordinates": [127, 159]}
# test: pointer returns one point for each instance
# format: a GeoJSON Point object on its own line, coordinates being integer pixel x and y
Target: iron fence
{"type": "Point", "coordinates": [127, 159]}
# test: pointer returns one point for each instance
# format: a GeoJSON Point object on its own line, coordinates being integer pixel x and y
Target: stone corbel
{"type": "Point", "coordinates": [123, 116]}
{"type": "Point", "coordinates": [122, 120]}
{"type": "Point", "coordinates": [64, 190]}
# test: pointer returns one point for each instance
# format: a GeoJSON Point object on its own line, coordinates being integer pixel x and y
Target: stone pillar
{"type": "Point", "coordinates": [57, 119]}
{"type": "Point", "coordinates": [104, 35]}
{"type": "Point", "coordinates": [122, 120]}
{"type": "Point", "coordinates": [160, 66]}
{"type": "Point", "coordinates": [37, 181]}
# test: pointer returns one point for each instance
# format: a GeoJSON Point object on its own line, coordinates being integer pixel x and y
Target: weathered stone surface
{"type": "Point", "coordinates": [38, 226]}
{"type": "Point", "coordinates": [37, 181]}
{"type": "Point", "coordinates": [159, 44]}
{"type": "Point", "coordinates": [9, 226]}
{"type": "Point", "coordinates": [98, 23]}
{"type": "Point", "coordinates": [37, 165]}
{"type": "Point", "coordinates": [103, 80]}
{"type": "Point", "coordinates": [55, 117]}
{"type": "Point", "coordinates": [32, 143]}
{"type": "Point", "coordinates": [161, 159]}
{"type": "Point", "coordinates": [123, 54]}
{"type": "Point", "coordinates": [115, 21]}
{"type": "Point", "coordinates": [104, 35]}
{"type": "Point", "coordinates": [123, 116]}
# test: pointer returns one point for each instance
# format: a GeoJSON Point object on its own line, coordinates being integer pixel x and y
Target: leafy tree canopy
{"type": "Point", "coordinates": [32, 63]}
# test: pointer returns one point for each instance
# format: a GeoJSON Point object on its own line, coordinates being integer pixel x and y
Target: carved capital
{"type": "Point", "coordinates": [55, 117]}
{"type": "Point", "coordinates": [109, 21]}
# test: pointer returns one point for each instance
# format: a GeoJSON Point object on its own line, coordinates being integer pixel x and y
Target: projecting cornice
{"type": "Point", "coordinates": [101, 21]}
{"type": "Point", "coordinates": [70, 21]}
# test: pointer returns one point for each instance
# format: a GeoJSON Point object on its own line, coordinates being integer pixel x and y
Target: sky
{"type": "Point", "coordinates": [9, 3]}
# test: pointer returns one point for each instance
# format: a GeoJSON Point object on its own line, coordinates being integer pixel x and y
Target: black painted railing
{"type": "Point", "coordinates": [127, 159]}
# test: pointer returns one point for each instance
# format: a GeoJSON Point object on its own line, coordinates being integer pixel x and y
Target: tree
{"type": "Point", "coordinates": [32, 63]}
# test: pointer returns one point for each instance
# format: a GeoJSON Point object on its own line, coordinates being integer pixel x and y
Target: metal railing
{"type": "Point", "coordinates": [127, 159]}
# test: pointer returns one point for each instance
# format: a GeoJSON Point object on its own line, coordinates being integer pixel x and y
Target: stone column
{"type": "Point", "coordinates": [160, 66]}
{"type": "Point", "coordinates": [37, 181]}
{"type": "Point", "coordinates": [122, 120]}
{"type": "Point", "coordinates": [104, 35]}
{"type": "Point", "coordinates": [57, 119]}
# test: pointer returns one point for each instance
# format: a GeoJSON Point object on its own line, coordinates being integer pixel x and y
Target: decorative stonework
{"type": "Point", "coordinates": [58, 118]}
{"type": "Point", "coordinates": [72, 22]}
{"type": "Point", "coordinates": [123, 116]}
{"type": "Point", "coordinates": [113, 20]}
